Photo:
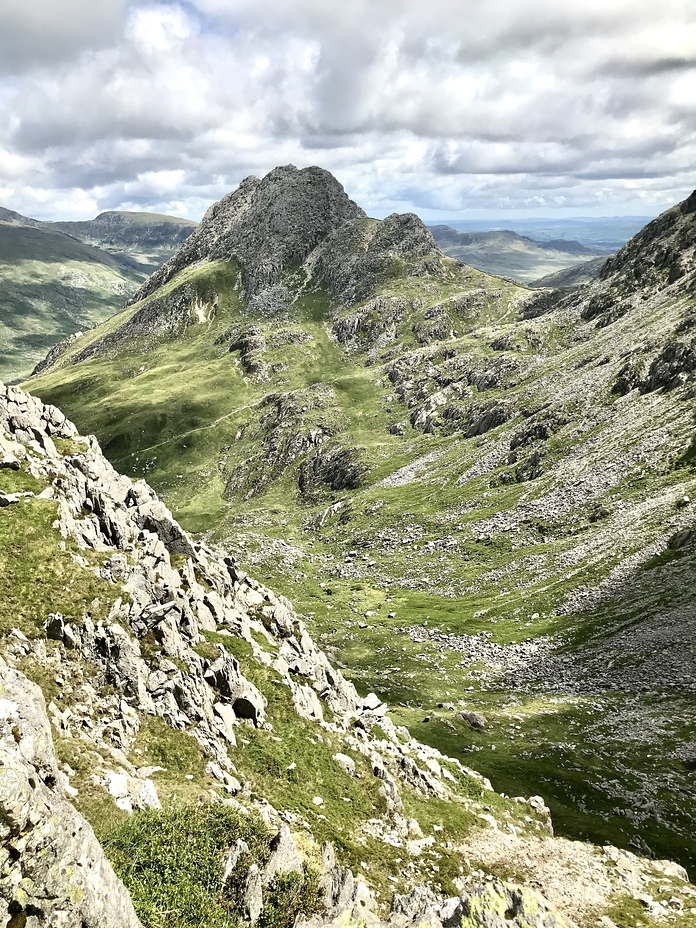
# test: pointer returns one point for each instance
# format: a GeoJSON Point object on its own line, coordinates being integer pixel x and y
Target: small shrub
{"type": "Point", "coordinates": [289, 894]}
{"type": "Point", "coordinates": [172, 862]}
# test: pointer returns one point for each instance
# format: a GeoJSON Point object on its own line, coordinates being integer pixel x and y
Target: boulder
{"type": "Point", "coordinates": [250, 704]}
{"type": "Point", "coordinates": [155, 517]}
{"type": "Point", "coordinates": [473, 719]}
{"type": "Point", "coordinates": [307, 703]}
{"type": "Point", "coordinates": [347, 764]}
{"type": "Point", "coordinates": [253, 895]}
{"type": "Point", "coordinates": [225, 714]}
{"type": "Point", "coordinates": [371, 702]}
{"type": "Point", "coordinates": [132, 793]}
{"type": "Point", "coordinates": [224, 675]}
{"type": "Point", "coordinates": [285, 858]}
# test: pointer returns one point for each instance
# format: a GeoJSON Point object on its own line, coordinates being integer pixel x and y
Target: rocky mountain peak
{"type": "Point", "coordinates": [689, 204]}
{"type": "Point", "coordinates": [266, 224]}
{"type": "Point", "coordinates": [290, 220]}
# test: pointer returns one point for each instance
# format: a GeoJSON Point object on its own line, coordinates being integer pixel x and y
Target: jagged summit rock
{"type": "Point", "coordinates": [359, 254]}
{"type": "Point", "coordinates": [266, 224]}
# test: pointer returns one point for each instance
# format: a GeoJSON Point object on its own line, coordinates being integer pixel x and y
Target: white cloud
{"type": "Point", "coordinates": [454, 105]}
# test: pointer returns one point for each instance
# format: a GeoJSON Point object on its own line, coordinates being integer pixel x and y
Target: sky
{"type": "Point", "coordinates": [449, 108]}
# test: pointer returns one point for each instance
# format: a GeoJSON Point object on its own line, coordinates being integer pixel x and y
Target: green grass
{"type": "Point", "coordinates": [172, 863]}
{"type": "Point", "coordinates": [39, 574]}
{"type": "Point", "coordinates": [184, 414]}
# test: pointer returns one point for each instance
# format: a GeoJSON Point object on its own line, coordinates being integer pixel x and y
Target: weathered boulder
{"type": "Point", "coordinates": [250, 704]}
{"type": "Point", "coordinates": [307, 704]}
{"type": "Point", "coordinates": [347, 764]}
{"type": "Point", "coordinates": [253, 894]}
{"type": "Point", "coordinates": [285, 858]}
{"type": "Point", "coordinates": [224, 675]}
{"type": "Point", "coordinates": [473, 719]}
{"type": "Point", "coordinates": [501, 905]}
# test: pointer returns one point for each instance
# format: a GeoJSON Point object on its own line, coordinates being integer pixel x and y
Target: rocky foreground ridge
{"type": "Point", "coordinates": [160, 644]}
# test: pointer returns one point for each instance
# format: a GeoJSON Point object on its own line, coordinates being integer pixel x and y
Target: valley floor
{"type": "Point", "coordinates": [611, 747]}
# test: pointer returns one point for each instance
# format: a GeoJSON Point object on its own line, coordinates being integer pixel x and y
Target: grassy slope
{"type": "Point", "coordinates": [185, 414]}
{"type": "Point", "coordinates": [51, 286]}
{"type": "Point", "coordinates": [574, 276]}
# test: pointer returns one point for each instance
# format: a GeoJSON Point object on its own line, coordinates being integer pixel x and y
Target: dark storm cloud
{"type": "Point", "coordinates": [638, 68]}
{"type": "Point", "coordinates": [528, 104]}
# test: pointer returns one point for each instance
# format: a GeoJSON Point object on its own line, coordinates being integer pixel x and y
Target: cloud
{"type": "Point", "coordinates": [447, 106]}
{"type": "Point", "coordinates": [45, 32]}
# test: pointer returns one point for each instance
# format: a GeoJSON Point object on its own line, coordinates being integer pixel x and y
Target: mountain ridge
{"type": "Point", "coordinates": [119, 229]}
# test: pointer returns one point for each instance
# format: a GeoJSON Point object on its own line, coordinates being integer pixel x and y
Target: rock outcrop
{"type": "Point", "coordinates": [53, 871]}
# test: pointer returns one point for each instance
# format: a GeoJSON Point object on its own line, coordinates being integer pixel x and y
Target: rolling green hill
{"type": "Point", "coordinates": [60, 278]}
{"type": "Point", "coordinates": [511, 255]}
{"type": "Point", "coordinates": [478, 496]}
{"type": "Point", "coordinates": [50, 287]}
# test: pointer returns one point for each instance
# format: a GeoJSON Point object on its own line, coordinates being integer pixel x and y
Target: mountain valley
{"type": "Point", "coordinates": [172, 723]}
{"type": "Point", "coordinates": [506, 253]}
{"type": "Point", "coordinates": [477, 496]}
{"type": "Point", "coordinates": [466, 506]}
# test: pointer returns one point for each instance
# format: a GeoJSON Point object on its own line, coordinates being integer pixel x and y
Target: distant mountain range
{"type": "Point", "coordinates": [150, 236]}
{"type": "Point", "coordinates": [606, 232]}
{"type": "Point", "coordinates": [508, 254]}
